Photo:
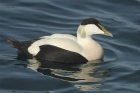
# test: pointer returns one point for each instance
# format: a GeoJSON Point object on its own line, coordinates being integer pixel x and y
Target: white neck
{"type": "Point", "coordinates": [83, 40]}
{"type": "Point", "coordinates": [91, 49]}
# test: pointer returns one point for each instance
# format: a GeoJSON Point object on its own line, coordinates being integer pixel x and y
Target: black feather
{"type": "Point", "coordinates": [21, 46]}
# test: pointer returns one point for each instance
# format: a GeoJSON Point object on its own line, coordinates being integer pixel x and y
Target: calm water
{"type": "Point", "coordinates": [27, 19]}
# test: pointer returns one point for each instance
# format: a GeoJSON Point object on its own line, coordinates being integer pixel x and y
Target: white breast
{"type": "Point", "coordinates": [93, 51]}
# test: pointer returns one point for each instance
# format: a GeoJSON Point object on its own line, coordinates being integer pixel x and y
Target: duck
{"type": "Point", "coordinates": [66, 48]}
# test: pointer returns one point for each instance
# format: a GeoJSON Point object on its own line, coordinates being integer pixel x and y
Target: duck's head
{"type": "Point", "coordinates": [91, 26]}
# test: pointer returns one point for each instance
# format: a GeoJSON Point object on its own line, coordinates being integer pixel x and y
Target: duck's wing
{"type": "Point", "coordinates": [23, 46]}
{"type": "Point", "coordinates": [63, 43]}
{"type": "Point", "coordinates": [67, 36]}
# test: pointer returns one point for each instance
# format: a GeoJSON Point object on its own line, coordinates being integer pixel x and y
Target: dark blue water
{"type": "Point", "coordinates": [27, 19]}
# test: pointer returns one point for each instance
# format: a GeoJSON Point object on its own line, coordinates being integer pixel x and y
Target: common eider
{"type": "Point", "coordinates": [66, 48]}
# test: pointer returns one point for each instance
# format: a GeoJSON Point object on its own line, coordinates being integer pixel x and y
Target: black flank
{"type": "Point", "coordinates": [55, 54]}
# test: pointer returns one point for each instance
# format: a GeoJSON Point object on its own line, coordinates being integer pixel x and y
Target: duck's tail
{"type": "Point", "coordinates": [14, 43]}
{"type": "Point", "coordinates": [21, 46]}
{"type": "Point", "coordinates": [22, 49]}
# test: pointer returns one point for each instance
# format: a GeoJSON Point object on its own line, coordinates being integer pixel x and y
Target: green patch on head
{"type": "Point", "coordinates": [81, 31]}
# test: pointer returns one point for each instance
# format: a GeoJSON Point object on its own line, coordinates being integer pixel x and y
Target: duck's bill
{"type": "Point", "coordinates": [105, 31]}
{"type": "Point", "coordinates": [108, 34]}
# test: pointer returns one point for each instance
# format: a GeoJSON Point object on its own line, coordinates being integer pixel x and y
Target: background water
{"type": "Point", "coordinates": [27, 19]}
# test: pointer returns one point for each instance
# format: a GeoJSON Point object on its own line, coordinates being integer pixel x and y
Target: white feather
{"type": "Point", "coordinates": [91, 29]}
{"type": "Point", "coordinates": [64, 41]}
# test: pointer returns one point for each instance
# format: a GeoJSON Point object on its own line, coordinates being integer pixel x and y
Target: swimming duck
{"type": "Point", "coordinates": [66, 48]}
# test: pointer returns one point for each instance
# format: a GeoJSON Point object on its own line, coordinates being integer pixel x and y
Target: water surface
{"type": "Point", "coordinates": [27, 19]}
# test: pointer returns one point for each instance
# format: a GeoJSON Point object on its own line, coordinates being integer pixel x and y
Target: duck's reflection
{"type": "Point", "coordinates": [84, 76]}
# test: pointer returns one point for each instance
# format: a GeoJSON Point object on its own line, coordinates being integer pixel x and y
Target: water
{"type": "Point", "coordinates": [27, 19]}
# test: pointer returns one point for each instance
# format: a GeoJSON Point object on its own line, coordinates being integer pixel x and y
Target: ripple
{"type": "Point", "coordinates": [26, 19]}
